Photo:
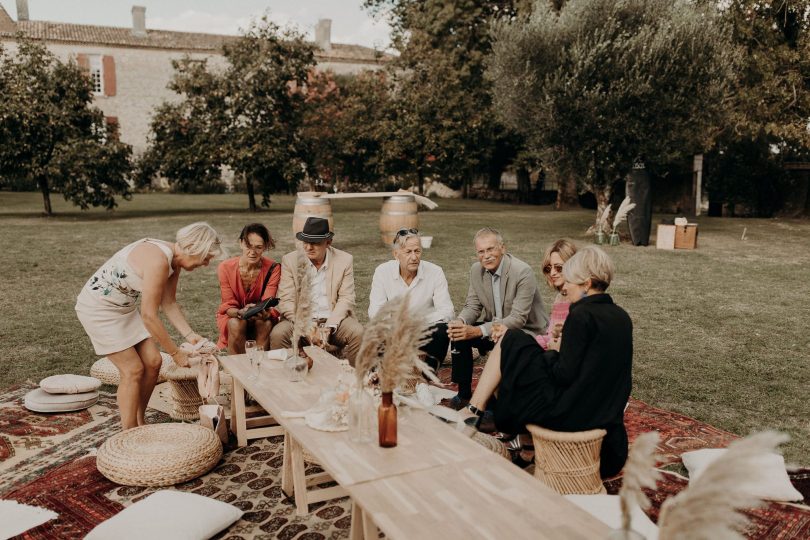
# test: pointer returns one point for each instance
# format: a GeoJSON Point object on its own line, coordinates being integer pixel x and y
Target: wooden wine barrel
{"type": "Point", "coordinates": [398, 212]}
{"type": "Point", "coordinates": [307, 206]}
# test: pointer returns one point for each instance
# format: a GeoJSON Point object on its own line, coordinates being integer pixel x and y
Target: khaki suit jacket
{"type": "Point", "coordinates": [522, 305]}
{"type": "Point", "coordinates": [339, 285]}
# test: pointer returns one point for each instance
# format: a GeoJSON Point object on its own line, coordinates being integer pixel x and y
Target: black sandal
{"type": "Point", "coordinates": [474, 421]}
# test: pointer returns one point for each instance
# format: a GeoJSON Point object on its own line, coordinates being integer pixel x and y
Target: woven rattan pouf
{"type": "Point", "coordinates": [105, 371]}
{"type": "Point", "coordinates": [159, 454]}
{"type": "Point", "coordinates": [185, 395]}
{"type": "Point", "coordinates": [568, 462]}
{"type": "Point", "coordinates": [491, 443]}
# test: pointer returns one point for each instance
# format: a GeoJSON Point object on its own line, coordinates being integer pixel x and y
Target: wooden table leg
{"type": "Point", "coordinates": [299, 477]}
{"type": "Point", "coordinates": [369, 528]}
{"type": "Point", "coordinates": [238, 414]}
{"type": "Point", "coordinates": [286, 468]}
{"type": "Point", "coordinates": [356, 531]}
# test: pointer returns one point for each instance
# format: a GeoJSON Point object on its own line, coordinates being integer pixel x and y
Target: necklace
{"type": "Point", "coordinates": [248, 276]}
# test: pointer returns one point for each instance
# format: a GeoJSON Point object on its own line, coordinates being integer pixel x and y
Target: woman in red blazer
{"type": "Point", "coordinates": [244, 281]}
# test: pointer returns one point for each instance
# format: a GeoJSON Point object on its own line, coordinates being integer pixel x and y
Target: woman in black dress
{"type": "Point", "coordinates": [583, 384]}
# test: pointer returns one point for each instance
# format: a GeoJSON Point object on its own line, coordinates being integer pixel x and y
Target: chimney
{"type": "Point", "coordinates": [22, 10]}
{"type": "Point", "coordinates": [138, 21]}
{"type": "Point", "coordinates": [323, 34]}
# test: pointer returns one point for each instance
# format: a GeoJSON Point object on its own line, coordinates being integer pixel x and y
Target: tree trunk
{"type": "Point", "coordinates": [566, 192]}
{"type": "Point", "coordinates": [46, 194]}
{"type": "Point", "coordinates": [420, 181]}
{"type": "Point", "coordinates": [524, 184]}
{"type": "Point", "coordinates": [602, 194]}
{"type": "Point", "coordinates": [251, 194]}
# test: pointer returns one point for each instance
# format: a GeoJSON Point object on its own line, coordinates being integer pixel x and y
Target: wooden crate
{"type": "Point", "coordinates": [665, 237]}
{"type": "Point", "coordinates": [686, 236]}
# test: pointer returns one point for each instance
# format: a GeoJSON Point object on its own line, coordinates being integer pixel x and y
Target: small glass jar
{"type": "Point", "coordinates": [361, 416]}
{"type": "Point", "coordinates": [295, 367]}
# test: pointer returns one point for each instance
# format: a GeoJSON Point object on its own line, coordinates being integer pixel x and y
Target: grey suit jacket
{"type": "Point", "coordinates": [522, 305]}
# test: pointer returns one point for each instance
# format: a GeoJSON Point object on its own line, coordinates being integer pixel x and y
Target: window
{"type": "Point", "coordinates": [96, 73]}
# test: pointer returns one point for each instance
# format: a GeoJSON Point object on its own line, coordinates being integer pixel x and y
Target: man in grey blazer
{"type": "Point", "coordinates": [502, 289]}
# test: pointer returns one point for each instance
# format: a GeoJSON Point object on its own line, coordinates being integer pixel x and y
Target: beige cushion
{"type": "Point", "coordinates": [69, 384]}
{"type": "Point", "coordinates": [38, 400]}
{"type": "Point", "coordinates": [168, 515]}
{"type": "Point", "coordinates": [777, 487]}
{"type": "Point", "coordinates": [606, 508]}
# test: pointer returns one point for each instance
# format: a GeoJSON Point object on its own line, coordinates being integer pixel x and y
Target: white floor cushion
{"type": "Point", "coordinates": [69, 384]}
{"type": "Point", "coordinates": [16, 518]}
{"type": "Point", "coordinates": [606, 508]}
{"type": "Point", "coordinates": [775, 485]}
{"type": "Point", "coordinates": [169, 515]}
{"type": "Point", "coordinates": [38, 400]}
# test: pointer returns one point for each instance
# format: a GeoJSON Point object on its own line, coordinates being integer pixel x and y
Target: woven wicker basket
{"type": "Point", "coordinates": [491, 443]}
{"type": "Point", "coordinates": [185, 394]}
{"type": "Point", "coordinates": [104, 370]}
{"type": "Point", "coordinates": [159, 454]}
{"type": "Point", "coordinates": [568, 462]}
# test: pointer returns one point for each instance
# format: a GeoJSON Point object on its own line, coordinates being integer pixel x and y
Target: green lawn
{"type": "Point", "coordinates": [721, 333]}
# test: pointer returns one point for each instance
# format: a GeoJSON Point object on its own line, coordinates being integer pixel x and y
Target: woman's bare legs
{"type": "Point", "coordinates": [490, 379]}
{"type": "Point", "coordinates": [263, 329]}
{"type": "Point", "coordinates": [132, 370]}
{"type": "Point", "coordinates": [237, 333]}
{"type": "Point", "coordinates": [152, 361]}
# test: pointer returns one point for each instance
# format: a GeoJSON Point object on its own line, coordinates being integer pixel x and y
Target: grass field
{"type": "Point", "coordinates": [721, 333]}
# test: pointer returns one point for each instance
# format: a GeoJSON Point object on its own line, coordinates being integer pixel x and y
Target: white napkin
{"type": "Point", "coordinates": [276, 354]}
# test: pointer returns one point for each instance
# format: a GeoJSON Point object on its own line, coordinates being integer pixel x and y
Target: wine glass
{"type": "Point", "coordinates": [256, 361]}
{"type": "Point", "coordinates": [250, 351]}
{"type": "Point", "coordinates": [323, 334]}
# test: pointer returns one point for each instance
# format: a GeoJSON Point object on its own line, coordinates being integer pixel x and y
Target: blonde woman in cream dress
{"type": "Point", "coordinates": [107, 308]}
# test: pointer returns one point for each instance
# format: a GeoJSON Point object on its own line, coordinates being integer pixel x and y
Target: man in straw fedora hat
{"type": "Point", "coordinates": [331, 273]}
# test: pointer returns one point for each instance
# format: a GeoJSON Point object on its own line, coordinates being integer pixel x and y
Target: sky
{"type": "Point", "coordinates": [350, 22]}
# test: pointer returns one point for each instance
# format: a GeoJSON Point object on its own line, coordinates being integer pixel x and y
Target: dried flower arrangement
{"type": "Point", "coordinates": [708, 507]}
{"type": "Point", "coordinates": [602, 220]}
{"type": "Point", "coordinates": [391, 343]}
{"type": "Point", "coordinates": [302, 327]}
{"type": "Point", "coordinates": [621, 213]}
{"type": "Point", "coordinates": [639, 472]}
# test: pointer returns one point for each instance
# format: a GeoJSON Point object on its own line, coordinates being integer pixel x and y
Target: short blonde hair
{"type": "Point", "coordinates": [592, 263]}
{"type": "Point", "coordinates": [564, 248]}
{"type": "Point", "coordinates": [199, 239]}
{"type": "Point", "coordinates": [401, 239]}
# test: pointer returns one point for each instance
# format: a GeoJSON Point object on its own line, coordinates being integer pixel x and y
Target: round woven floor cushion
{"type": "Point", "coordinates": [491, 443]}
{"type": "Point", "coordinates": [105, 371]}
{"type": "Point", "coordinates": [38, 400]}
{"type": "Point", "coordinates": [159, 454]}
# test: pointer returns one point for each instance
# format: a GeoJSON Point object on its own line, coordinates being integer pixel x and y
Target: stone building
{"type": "Point", "coordinates": [131, 67]}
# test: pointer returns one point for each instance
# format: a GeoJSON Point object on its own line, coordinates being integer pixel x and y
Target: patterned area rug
{"type": "Point", "coordinates": [48, 461]}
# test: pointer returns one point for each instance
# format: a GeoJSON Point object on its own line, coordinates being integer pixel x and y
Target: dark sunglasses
{"type": "Point", "coordinates": [403, 232]}
{"type": "Point", "coordinates": [547, 268]}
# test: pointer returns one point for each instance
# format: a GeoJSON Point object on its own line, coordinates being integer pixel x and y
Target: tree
{"type": "Point", "coordinates": [442, 121]}
{"type": "Point", "coordinates": [51, 136]}
{"type": "Point", "coordinates": [771, 106]}
{"type": "Point", "coordinates": [248, 116]}
{"type": "Point", "coordinates": [600, 84]}
{"type": "Point", "coordinates": [345, 126]}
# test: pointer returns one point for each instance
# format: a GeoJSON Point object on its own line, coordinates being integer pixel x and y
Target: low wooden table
{"type": "Point", "coordinates": [486, 497]}
{"type": "Point", "coordinates": [435, 482]}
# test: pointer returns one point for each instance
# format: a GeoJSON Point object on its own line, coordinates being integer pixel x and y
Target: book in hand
{"type": "Point", "coordinates": [258, 308]}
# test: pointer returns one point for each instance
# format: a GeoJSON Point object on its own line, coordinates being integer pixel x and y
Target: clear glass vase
{"type": "Point", "coordinates": [600, 237]}
{"type": "Point", "coordinates": [361, 416]}
{"type": "Point", "coordinates": [614, 239]}
{"type": "Point", "coordinates": [296, 367]}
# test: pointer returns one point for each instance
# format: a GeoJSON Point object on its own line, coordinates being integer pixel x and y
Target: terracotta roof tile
{"type": "Point", "coordinates": [163, 39]}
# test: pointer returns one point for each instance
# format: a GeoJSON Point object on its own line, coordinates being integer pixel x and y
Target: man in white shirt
{"type": "Point", "coordinates": [426, 284]}
{"type": "Point", "coordinates": [331, 287]}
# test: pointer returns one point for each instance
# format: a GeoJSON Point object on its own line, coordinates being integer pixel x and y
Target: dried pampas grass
{"type": "Point", "coordinates": [621, 213]}
{"type": "Point", "coordinates": [391, 343]}
{"type": "Point", "coordinates": [602, 219]}
{"type": "Point", "coordinates": [708, 507]}
{"type": "Point", "coordinates": [639, 472]}
{"type": "Point", "coordinates": [302, 327]}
